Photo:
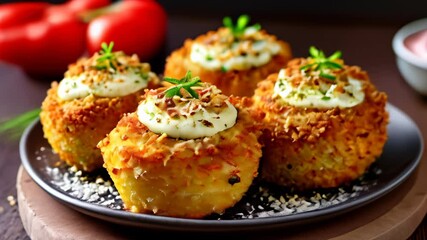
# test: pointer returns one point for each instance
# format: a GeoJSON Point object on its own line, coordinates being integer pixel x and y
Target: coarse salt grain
{"type": "Point", "coordinates": [264, 200]}
{"type": "Point", "coordinates": [97, 190]}
{"type": "Point", "coordinates": [11, 200]}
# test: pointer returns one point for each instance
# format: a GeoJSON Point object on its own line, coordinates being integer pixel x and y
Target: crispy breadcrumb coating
{"type": "Point", "coordinates": [309, 148]}
{"type": "Point", "coordinates": [190, 178]}
{"type": "Point", "coordinates": [74, 127]}
{"type": "Point", "coordinates": [231, 82]}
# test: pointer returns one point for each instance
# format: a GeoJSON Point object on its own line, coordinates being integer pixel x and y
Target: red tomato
{"type": "Point", "coordinates": [135, 26]}
{"type": "Point", "coordinates": [21, 13]}
{"type": "Point", "coordinates": [43, 39]}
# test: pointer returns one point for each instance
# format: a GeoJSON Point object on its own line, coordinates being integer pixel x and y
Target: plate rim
{"type": "Point", "coordinates": [203, 225]}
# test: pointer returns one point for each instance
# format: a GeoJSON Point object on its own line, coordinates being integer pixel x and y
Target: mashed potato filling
{"type": "Point", "coordinates": [102, 85]}
{"type": "Point", "coordinates": [323, 94]}
{"type": "Point", "coordinates": [228, 53]}
{"type": "Point", "coordinates": [186, 118]}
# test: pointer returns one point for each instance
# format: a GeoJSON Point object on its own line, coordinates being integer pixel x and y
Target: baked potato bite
{"type": "Point", "coordinates": [188, 151]}
{"type": "Point", "coordinates": [234, 58]}
{"type": "Point", "coordinates": [87, 104]}
{"type": "Point", "coordinates": [324, 122]}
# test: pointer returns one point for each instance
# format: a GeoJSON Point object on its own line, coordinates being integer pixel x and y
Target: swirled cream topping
{"type": "Point", "coordinates": [223, 51]}
{"type": "Point", "coordinates": [312, 92]}
{"type": "Point", "coordinates": [187, 117]}
{"type": "Point", "coordinates": [120, 76]}
{"type": "Point", "coordinates": [117, 86]}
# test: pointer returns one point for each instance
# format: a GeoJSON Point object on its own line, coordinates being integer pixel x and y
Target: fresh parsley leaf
{"type": "Point", "coordinates": [106, 57]}
{"type": "Point", "coordinates": [328, 76]}
{"type": "Point", "coordinates": [306, 67]}
{"type": "Point", "coordinates": [332, 65]}
{"type": "Point", "coordinates": [335, 55]}
{"type": "Point", "coordinates": [186, 83]}
{"type": "Point", "coordinates": [241, 25]}
{"type": "Point", "coordinates": [314, 52]}
{"type": "Point", "coordinates": [321, 62]}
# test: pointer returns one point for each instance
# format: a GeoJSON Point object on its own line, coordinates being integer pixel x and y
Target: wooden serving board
{"type": "Point", "coordinates": [394, 216]}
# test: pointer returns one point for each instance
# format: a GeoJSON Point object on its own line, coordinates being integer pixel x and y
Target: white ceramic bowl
{"type": "Point", "coordinates": [412, 67]}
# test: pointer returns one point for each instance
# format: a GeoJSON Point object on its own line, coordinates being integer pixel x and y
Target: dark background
{"type": "Point", "coordinates": [306, 10]}
{"type": "Point", "coordinates": [376, 11]}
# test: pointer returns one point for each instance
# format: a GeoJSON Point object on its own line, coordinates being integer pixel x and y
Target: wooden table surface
{"type": "Point", "coordinates": [365, 44]}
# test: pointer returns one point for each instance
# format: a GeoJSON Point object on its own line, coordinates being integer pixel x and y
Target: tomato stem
{"type": "Point", "coordinates": [87, 16]}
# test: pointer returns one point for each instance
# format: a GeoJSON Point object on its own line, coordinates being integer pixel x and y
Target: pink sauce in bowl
{"type": "Point", "coordinates": [417, 43]}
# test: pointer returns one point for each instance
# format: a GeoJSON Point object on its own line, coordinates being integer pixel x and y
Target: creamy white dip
{"type": "Point", "coordinates": [322, 96]}
{"type": "Point", "coordinates": [238, 55]}
{"type": "Point", "coordinates": [201, 123]}
{"type": "Point", "coordinates": [117, 85]}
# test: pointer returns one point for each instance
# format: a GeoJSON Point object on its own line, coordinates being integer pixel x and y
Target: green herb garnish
{"type": "Point", "coordinates": [321, 63]}
{"type": "Point", "coordinates": [184, 83]}
{"type": "Point", "coordinates": [241, 25]}
{"type": "Point", "coordinates": [106, 56]}
{"type": "Point", "coordinates": [15, 126]}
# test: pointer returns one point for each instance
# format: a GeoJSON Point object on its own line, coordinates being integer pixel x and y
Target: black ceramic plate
{"type": "Point", "coordinates": [264, 206]}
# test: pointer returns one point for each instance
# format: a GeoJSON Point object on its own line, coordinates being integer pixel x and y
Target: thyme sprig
{"type": "Point", "coordinates": [321, 63]}
{"type": "Point", "coordinates": [15, 126]}
{"type": "Point", "coordinates": [241, 25]}
{"type": "Point", "coordinates": [106, 58]}
{"type": "Point", "coordinates": [186, 83]}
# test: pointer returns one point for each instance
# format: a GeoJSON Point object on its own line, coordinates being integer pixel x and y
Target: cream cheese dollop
{"type": "Point", "coordinates": [253, 50]}
{"type": "Point", "coordinates": [200, 122]}
{"type": "Point", "coordinates": [323, 95]}
{"type": "Point", "coordinates": [117, 85]}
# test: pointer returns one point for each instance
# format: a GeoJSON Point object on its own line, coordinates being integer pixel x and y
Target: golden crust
{"type": "Point", "coordinates": [182, 178]}
{"type": "Point", "coordinates": [73, 128]}
{"type": "Point", "coordinates": [234, 82]}
{"type": "Point", "coordinates": [320, 148]}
